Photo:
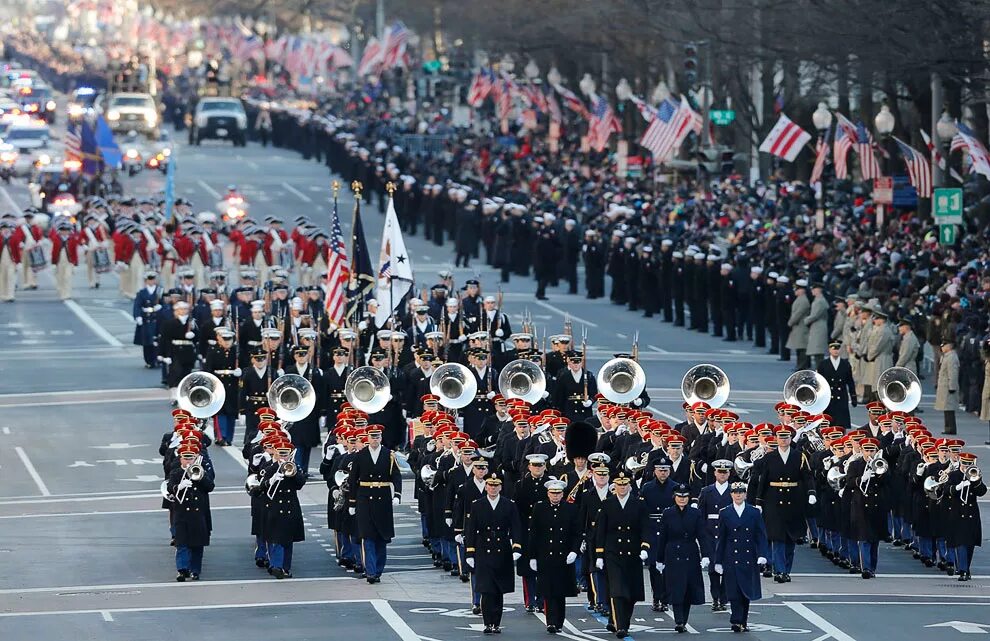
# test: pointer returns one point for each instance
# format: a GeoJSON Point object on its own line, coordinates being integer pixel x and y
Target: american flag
{"type": "Point", "coordinates": [821, 156]}
{"type": "Point", "coordinates": [868, 164]}
{"type": "Point", "coordinates": [534, 95]}
{"type": "Point", "coordinates": [395, 45]}
{"type": "Point", "coordinates": [602, 123]}
{"type": "Point", "coordinates": [481, 86]}
{"type": "Point", "coordinates": [647, 111]}
{"type": "Point", "coordinates": [840, 152]}
{"type": "Point", "coordinates": [978, 154]}
{"type": "Point", "coordinates": [73, 143]}
{"type": "Point", "coordinates": [503, 98]}
{"type": "Point", "coordinates": [918, 167]}
{"type": "Point", "coordinates": [572, 101]}
{"type": "Point", "coordinates": [337, 272]}
{"type": "Point", "coordinates": [668, 130]}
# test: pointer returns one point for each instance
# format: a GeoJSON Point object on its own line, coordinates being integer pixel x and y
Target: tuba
{"type": "Point", "coordinates": [899, 389]}
{"type": "Point", "coordinates": [705, 383]}
{"type": "Point", "coordinates": [292, 397]}
{"type": "Point", "coordinates": [201, 394]}
{"type": "Point", "coordinates": [621, 380]}
{"type": "Point", "coordinates": [522, 379]}
{"type": "Point", "coordinates": [808, 390]}
{"type": "Point", "coordinates": [454, 384]}
{"type": "Point", "coordinates": [367, 389]}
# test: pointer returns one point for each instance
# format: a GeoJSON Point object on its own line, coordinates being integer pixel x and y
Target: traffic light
{"type": "Point", "coordinates": [728, 163]}
{"type": "Point", "coordinates": [690, 64]}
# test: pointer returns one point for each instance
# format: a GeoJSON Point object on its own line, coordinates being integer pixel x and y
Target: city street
{"type": "Point", "coordinates": [84, 541]}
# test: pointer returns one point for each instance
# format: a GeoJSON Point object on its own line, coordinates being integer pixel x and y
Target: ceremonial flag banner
{"type": "Point", "coordinates": [919, 169]}
{"type": "Point", "coordinates": [785, 140]}
{"type": "Point", "coordinates": [395, 275]}
{"type": "Point", "coordinates": [337, 271]}
{"type": "Point", "coordinates": [362, 281]}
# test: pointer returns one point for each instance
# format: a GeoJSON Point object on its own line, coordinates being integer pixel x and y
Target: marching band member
{"type": "Point", "coordinates": [964, 486]}
{"type": "Point", "coordinates": [377, 484]}
{"type": "Point", "coordinates": [66, 248]}
{"type": "Point", "coordinates": [869, 510]}
{"type": "Point", "coordinates": [283, 514]}
{"type": "Point", "coordinates": [10, 258]}
{"type": "Point", "coordinates": [192, 513]}
{"type": "Point", "coordinates": [740, 550]}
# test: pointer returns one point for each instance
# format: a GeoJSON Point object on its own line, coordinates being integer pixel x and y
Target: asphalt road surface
{"type": "Point", "coordinates": [84, 543]}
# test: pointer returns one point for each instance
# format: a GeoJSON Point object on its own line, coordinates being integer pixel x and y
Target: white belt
{"type": "Point", "coordinates": [713, 516]}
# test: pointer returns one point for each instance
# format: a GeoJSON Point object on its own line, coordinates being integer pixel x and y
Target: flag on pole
{"type": "Point", "coordinates": [785, 140]}
{"type": "Point", "coordinates": [395, 275]}
{"type": "Point", "coordinates": [73, 143]}
{"type": "Point", "coordinates": [572, 101]}
{"type": "Point", "coordinates": [362, 281]}
{"type": "Point", "coordinates": [337, 271]}
{"type": "Point", "coordinates": [918, 167]}
{"type": "Point", "coordinates": [481, 86]}
{"type": "Point", "coordinates": [821, 156]}
{"type": "Point", "coordinates": [667, 131]}
{"type": "Point", "coordinates": [602, 123]}
{"type": "Point", "coordinates": [395, 45]}
{"type": "Point", "coordinates": [868, 164]}
{"type": "Point", "coordinates": [372, 57]}
{"type": "Point", "coordinates": [977, 152]}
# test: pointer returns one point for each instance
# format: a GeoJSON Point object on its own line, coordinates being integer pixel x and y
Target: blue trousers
{"type": "Point", "coordinates": [598, 588]}
{"type": "Point", "coordinates": [783, 556]}
{"type": "Point", "coordinates": [354, 547]}
{"type": "Point", "coordinates": [375, 556]}
{"type": "Point", "coordinates": [944, 552]}
{"type": "Point", "coordinates": [281, 556]}
{"type": "Point", "coordinates": [964, 556]}
{"type": "Point", "coordinates": [813, 527]}
{"type": "Point", "coordinates": [925, 547]}
{"type": "Point", "coordinates": [868, 552]}
{"type": "Point", "coordinates": [189, 558]}
{"type": "Point", "coordinates": [302, 457]}
{"type": "Point", "coordinates": [424, 526]}
{"type": "Point", "coordinates": [225, 425]}
{"type": "Point", "coordinates": [260, 547]}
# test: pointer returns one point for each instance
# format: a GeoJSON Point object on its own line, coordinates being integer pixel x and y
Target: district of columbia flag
{"type": "Point", "coordinates": [395, 275]}
{"type": "Point", "coordinates": [785, 140]}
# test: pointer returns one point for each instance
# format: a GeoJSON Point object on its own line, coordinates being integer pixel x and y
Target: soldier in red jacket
{"type": "Point", "coordinates": [65, 257]}
{"type": "Point", "coordinates": [10, 258]}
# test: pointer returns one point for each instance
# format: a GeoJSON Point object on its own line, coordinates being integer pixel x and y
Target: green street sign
{"type": "Point", "coordinates": [948, 206]}
{"type": "Point", "coordinates": [722, 117]}
{"type": "Point", "coordinates": [947, 234]}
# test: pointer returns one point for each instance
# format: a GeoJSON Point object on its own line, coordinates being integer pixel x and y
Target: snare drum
{"type": "Point", "coordinates": [216, 258]}
{"type": "Point", "coordinates": [36, 258]}
{"type": "Point", "coordinates": [101, 260]}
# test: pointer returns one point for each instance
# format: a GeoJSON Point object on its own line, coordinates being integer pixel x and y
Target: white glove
{"type": "Point", "coordinates": [660, 566]}
{"type": "Point", "coordinates": [490, 395]}
{"type": "Point", "coordinates": [516, 556]}
{"type": "Point", "coordinates": [449, 522]}
{"type": "Point", "coordinates": [431, 446]}
{"type": "Point", "coordinates": [277, 476]}
{"type": "Point", "coordinates": [396, 500]}
{"type": "Point", "coordinates": [600, 564]}
{"type": "Point", "coordinates": [704, 467]}
{"type": "Point", "coordinates": [139, 320]}
{"type": "Point", "coordinates": [190, 335]}
{"type": "Point", "coordinates": [705, 562]}
{"type": "Point", "coordinates": [237, 371]}
{"type": "Point", "coordinates": [584, 547]}
{"type": "Point", "coordinates": [352, 511]}
{"type": "Point", "coordinates": [841, 492]}
{"type": "Point", "coordinates": [532, 565]}
{"type": "Point", "coordinates": [719, 569]}
{"type": "Point", "coordinates": [759, 507]}
{"type": "Point", "coordinates": [962, 484]}
{"type": "Point", "coordinates": [167, 361]}
{"type": "Point", "coordinates": [185, 483]}
{"type": "Point", "coordinates": [281, 372]}
{"type": "Point", "coordinates": [643, 554]}
{"type": "Point", "coordinates": [637, 402]}
{"type": "Point", "coordinates": [545, 395]}
{"type": "Point", "coordinates": [459, 539]}
{"type": "Point", "coordinates": [812, 499]}
{"type": "Point", "coordinates": [156, 307]}
{"type": "Point", "coordinates": [761, 560]}
{"type": "Point", "coordinates": [725, 438]}
{"type": "Point", "coordinates": [121, 265]}
{"type": "Point", "coordinates": [867, 475]}
{"type": "Point", "coordinates": [499, 333]}
{"type": "Point", "coordinates": [571, 557]}
{"type": "Point", "coordinates": [469, 561]}
{"type": "Point", "coordinates": [587, 403]}
{"type": "Point", "coordinates": [257, 459]}
{"type": "Point", "coordinates": [363, 325]}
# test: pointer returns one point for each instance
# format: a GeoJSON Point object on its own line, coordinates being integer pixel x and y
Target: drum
{"type": "Point", "coordinates": [286, 258]}
{"type": "Point", "coordinates": [155, 263]}
{"type": "Point", "coordinates": [216, 257]}
{"type": "Point", "coordinates": [101, 260]}
{"type": "Point", "coordinates": [36, 258]}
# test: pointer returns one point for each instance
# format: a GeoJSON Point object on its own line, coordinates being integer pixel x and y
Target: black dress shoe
{"type": "Point", "coordinates": [942, 566]}
{"type": "Point", "coordinates": [487, 630]}
{"type": "Point", "coordinates": [454, 572]}
{"type": "Point", "coordinates": [610, 627]}
{"type": "Point", "coordinates": [465, 578]}
{"type": "Point", "coordinates": [476, 609]}
{"type": "Point", "coordinates": [778, 578]}
{"type": "Point", "coordinates": [865, 574]}
{"type": "Point", "coordinates": [260, 563]}
{"type": "Point", "coordinates": [663, 607]}
{"type": "Point", "coordinates": [551, 630]}
{"type": "Point", "coordinates": [854, 570]}
{"type": "Point", "coordinates": [194, 576]}
{"type": "Point", "coordinates": [621, 634]}
{"type": "Point", "coordinates": [370, 580]}
{"type": "Point", "coordinates": [736, 627]}
{"type": "Point", "coordinates": [814, 544]}
{"type": "Point", "coordinates": [447, 566]}
{"type": "Point", "coordinates": [497, 629]}
{"type": "Point", "coordinates": [172, 542]}
{"type": "Point", "coordinates": [928, 562]}
{"type": "Point", "coordinates": [715, 606]}
{"type": "Point", "coordinates": [680, 628]}
{"type": "Point", "coordinates": [530, 609]}
{"type": "Point", "coordinates": [278, 573]}
{"type": "Point", "coordinates": [898, 543]}
{"type": "Point", "coordinates": [182, 575]}
{"type": "Point", "coordinates": [767, 573]}
{"type": "Point", "coordinates": [656, 606]}
{"type": "Point", "coordinates": [787, 578]}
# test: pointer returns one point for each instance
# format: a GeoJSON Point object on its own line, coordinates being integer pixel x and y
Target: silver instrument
{"type": "Point", "coordinates": [743, 467]}
{"type": "Point", "coordinates": [972, 475]}
{"type": "Point", "coordinates": [899, 389]}
{"type": "Point", "coordinates": [454, 384]}
{"type": "Point", "coordinates": [252, 484]}
{"type": "Point", "coordinates": [292, 397]}
{"type": "Point", "coordinates": [636, 465]}
{"type": "Point", "coordinates": [194, 472]}
{"type": "Point", "coordinates": [201, 394]}
{"type": "Point", "coordinates": [288, 469]}
{"type": "Point", "coordinates": [368, 389]}
{"type": "Point", "coordinates": [522, 379]}
{"type": "Point", "coordinates": [342, 479]}
{"type": "Point", "coordinates": [835, 477]}
{"type": "Point", "coordinates": [705, 383]}
{"type": "Point", "coordinates": [808, 390]}
{"type": "Point", "coordinates": [621, 380]}
{"type": "Point", "coordinates": [933, 487]}
{"type": "Point", "coordinates": [876, 466]}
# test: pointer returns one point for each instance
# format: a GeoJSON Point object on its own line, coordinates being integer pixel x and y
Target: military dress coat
{"type": "Point", "coordinates": [282, 513]}
{"type": "Point", "coordinates": [782, 491]}
{"type": "Point", "coordinates": [373, 484]}
{"type": "Point", "coordinates": [742, 539]}
{"type": "Point", "coordinates": [192, 516]}
{"type": "Point", "coordinates": [682, 543]}
{"type": "Point", "coordinates": [817, 323]}
{"type": "Point", "coordinates": [620, 536]}
{"type": "Point", "coordinates": [554, 532]}
{"type": "Point", "coordinates": [947, 388]}
{"type": "Point", "coordinates": [798, 336]}
{"type": "Point", "coordinates": [491, 536]}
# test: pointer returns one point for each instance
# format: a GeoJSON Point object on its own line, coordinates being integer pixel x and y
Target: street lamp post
{"type": "Point", "coordinates": [945, 131]}
{"type": "Point", "coordinates": [822, 118]}
{"type": "Point", "coordinates": [884, 122]}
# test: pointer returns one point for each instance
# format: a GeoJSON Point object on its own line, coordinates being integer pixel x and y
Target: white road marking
{"type": "Point", "coordinates": [252, 164]}
{"type": "Point", "coordinates": [818, 621]}
{"type": "Point", "coordinates": [90, 499]}
{"type": "Point", "coordinates": [658, 349]}
{"type": "Point", "coordinates": [116, 512]}
{"type": "Point", "coordinates": [6, 430]}
{"type": "Point", "coordinates": [210, 190]}
{"type": "Point", "coordinates": [218, 606]}
{"type": "Point", "coordinates": [107, 616]}
{"type": "Point", "coordinates": [32, 472]}
{"type": "Point", "coordinates": [126, 315]}
{"type": "Point", "coordinates": [394, 621]}
{"type": "Point", "coordinates": [557, 310]}
{"type": "Point", "coordinates": [293, 190]}
{"type": "Point", "coordinates": [10, 201]}
{"type": "Point", "coordinates": [88, 321]}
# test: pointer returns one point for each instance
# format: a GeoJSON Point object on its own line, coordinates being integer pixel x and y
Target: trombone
{"type": "Point", "coordinates": [194, 472]}
{"type": "Point", "coordinates": [972, 475]}
{"type": "Point", "coordinates": [288, 469]}
{"type": "Point", "coordinates": [876, 466]}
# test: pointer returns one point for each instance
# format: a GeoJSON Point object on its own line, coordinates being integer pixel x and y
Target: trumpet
{"type": "Point", "coordinates": [812, 437]}
{"type": "Point", "coordinates": [194, 472]}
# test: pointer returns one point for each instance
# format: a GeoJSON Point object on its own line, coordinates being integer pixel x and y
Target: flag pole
{"type": "Point", "coordinates": [390, 188]}
{"type": "Point", "coordinates": [356, 188]}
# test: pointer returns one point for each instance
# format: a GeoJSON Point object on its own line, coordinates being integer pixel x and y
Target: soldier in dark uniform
{"type": "Point", "coordinates": [305, 431]}
{"type": "Point", "coordinates": [838, 373]}
{"type": "Point", "coordinates": [283, 514]}
{"type": "Point", "coordinates": [712, 499]}
{"type": "Point", "coordinates": [492, 533]}
{"type": "Point", "coordinates": [756, 319]}
{"type": "Point", "coordinates": [191, 516]}
{"type": "Point", "coordinates": [617, 268]}
{"type": "Point", "coordinates": [740, 550]}
{"type": "Point", "coordinates": [965, 531]}
{"type": "Point", "coordinates": [729, 298]}
{"type": "Point", "coordinates": [683, 551]}
{"type": "Point", "coordinates": [620, 549]}
{"type": "Point", "coordinates": [593, 254]}
{"type": "Point", "coordinates": [575, 389]}
{"type": "Point", "coordinates": [678, 277]}
{"type": "Point", "coordinates": [147, 303]}
{"type": "Point", "coordinates": [554, 540]}
{"type": "Point", "coordinates": [632, 271]}
{"type": "Point", "coordinates": [376, 483]}
{"type": "Point", "coordinates": [486, 379]}
{"type": "Point", "coordinates": [649, 282]}
{"type": "Point", "coordinates": [529, 491]}
{"type": "Point", "coordinates": [715, 291]}
{"type": "Point", "coordinates": [770, 311]}
{"type": "Point", "coordinates": [785, 487]}
{"type": "Point", "coordinates": [783, 297]}
{"type": "Point", "coordinates": [657, 493]}
{"type": "Point", "coordinates": [590, 500]}
{"type": "Point", "coordinates": [334, 378]}
{"type": "Point", "coordinates": [470, 491]}
{"type": "Point", "coordinates": [178, 346]}
{"type": "Point", "coordinates": [221, 361]}
{"type": "Point", "coordinates": [545, 252]}
{"type": "Point", "coordinates": [665, 280]}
